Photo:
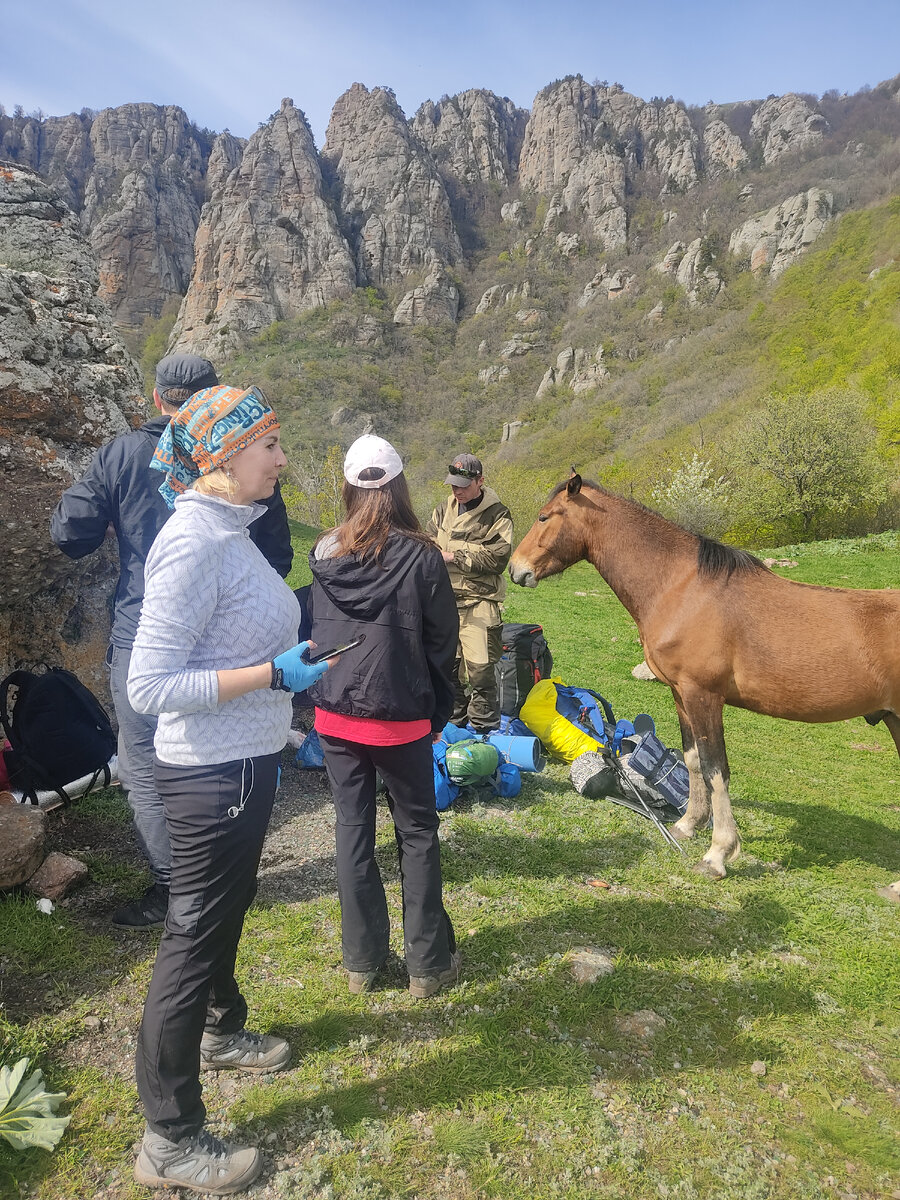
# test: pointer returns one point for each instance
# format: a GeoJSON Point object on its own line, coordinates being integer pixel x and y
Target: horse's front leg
{"type": "Point", "coordinates": [698, 808]}
{"type": "Point", "coordinates": [704, 714]}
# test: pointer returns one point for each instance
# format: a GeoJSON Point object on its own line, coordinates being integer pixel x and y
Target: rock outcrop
{"type": "Point", "coordinates": [58, 148]}
{"type": "Point", "coordinates": [474, 137]}
{"type": "Point", "coordinates": [394, 207]}
{"type": "Point", "coordinates": [268, 245]}
{"type": "Point", "coordinates": [723, 150]}
{"type": "Point", "coordinates": [142, 204]}
{"type": "Point", "coordinates": [776, 238]}
{"type": "Point", "coordinates": [66, 386]}
{"type": "Point", "coordinates": [585, 143]}
{"type": "Point", "coordinates": [576, 369]}
{"type": "Point", "coordinates": [136, 175]}
{"type": "Point", "coordinates": [691, 266]}
{"type": "Point", "coordinates": [434, 302]}
{"type": "Point", "coordinates": [786, 124]}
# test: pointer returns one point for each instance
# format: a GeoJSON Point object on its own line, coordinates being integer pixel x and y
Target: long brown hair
{"type": "Point", "coordinates": [372, 515]}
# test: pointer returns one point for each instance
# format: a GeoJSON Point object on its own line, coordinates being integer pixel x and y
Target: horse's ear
{"type": "Point", "coordinates": [573, 487]}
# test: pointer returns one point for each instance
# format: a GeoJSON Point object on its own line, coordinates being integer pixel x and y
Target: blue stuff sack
{"type": "Point", "coordinates": [507, 780]}
{"type": "Point", "coordinates": [310, 753]}
{"type": "Point", "coordinates": [514, 726]}
{"type": "Point", "coordinates": [445, 790]}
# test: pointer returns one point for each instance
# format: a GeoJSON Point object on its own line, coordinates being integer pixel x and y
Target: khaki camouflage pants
{"type": "Point", "coordinates": [480, 647]}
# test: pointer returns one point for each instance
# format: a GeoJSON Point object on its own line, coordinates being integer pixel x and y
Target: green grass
{"type": "Point", "coordinates": [520, 1082]}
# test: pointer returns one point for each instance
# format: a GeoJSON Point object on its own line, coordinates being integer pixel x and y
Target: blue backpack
{"type": "Point", "coordinates": [588, 711]}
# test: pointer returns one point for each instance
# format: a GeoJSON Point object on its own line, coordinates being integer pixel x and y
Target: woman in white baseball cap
{"type": "Point", "coordinates": [379, 709]}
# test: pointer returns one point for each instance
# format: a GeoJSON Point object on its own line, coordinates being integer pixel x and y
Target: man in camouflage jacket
{"type": "Point", "coordinates": [474, 532]}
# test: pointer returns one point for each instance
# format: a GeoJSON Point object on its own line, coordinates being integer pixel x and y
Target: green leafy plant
{"type": "Point", "coordinates": [28, 1112]}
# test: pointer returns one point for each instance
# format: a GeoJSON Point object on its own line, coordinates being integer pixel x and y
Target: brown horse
{"type": "Point", "coordinates": [720, 628]}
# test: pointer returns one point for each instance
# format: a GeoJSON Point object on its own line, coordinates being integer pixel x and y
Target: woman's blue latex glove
{"type": "Point", "coordinates": [297, 674]}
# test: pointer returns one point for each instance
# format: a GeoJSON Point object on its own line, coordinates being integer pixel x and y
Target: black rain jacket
{"type": "Point", "coordinates": [119, 488]}
{"type": "Point", "coordinates": [405, 608]}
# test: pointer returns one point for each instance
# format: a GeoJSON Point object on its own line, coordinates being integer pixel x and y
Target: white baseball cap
{"type": "Point", "coordinates": [371, 462]}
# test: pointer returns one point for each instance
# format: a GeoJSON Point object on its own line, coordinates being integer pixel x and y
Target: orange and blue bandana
{"type": "Point", "coordinates": [215, 424]}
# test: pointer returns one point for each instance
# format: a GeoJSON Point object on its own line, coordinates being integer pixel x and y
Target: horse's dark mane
{"type": "Point", "coordinates": [713, 558]}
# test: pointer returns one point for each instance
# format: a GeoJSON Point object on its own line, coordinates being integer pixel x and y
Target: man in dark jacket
{"type": "Point", "coordinates": [119, 495]}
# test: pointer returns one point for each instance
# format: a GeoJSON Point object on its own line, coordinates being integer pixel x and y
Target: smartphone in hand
{"type": "Point", "coordinates": [321, 655]}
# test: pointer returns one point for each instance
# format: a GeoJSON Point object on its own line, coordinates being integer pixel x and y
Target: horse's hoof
{"type": "Point", "coordinates": [682, 835]}
{"type": "Point", "coordinates": [709, 870]}
{"type": "Point", "coordinates": [891, 892]}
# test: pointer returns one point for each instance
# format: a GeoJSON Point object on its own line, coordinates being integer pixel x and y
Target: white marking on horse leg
{"type": "Point", "coordinates": [697, 814]}
{"type": "Point", "coordinates": [726, 842]}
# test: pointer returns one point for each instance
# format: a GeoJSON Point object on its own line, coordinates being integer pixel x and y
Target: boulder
{"type": "Point", "coordinates": [56, 876]}
{"type": "Point", "coordinates": [23, 840]}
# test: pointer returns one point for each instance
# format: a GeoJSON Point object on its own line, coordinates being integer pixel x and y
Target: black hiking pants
{"type": "Point", "coordinates": [408, 772]}
{"type": "Point", "coordinates": [217, 818]}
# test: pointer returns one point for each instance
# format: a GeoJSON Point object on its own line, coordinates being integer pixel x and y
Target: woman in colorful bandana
{"type": "Point", "coordinates": [215, 657]}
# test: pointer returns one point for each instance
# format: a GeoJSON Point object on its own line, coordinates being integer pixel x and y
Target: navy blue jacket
{"type": "Point", "coordinates": [120, 489]}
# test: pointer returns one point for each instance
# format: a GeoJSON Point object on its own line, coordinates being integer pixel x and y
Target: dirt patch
{"type": "Point", "coordinates": [297, 864]}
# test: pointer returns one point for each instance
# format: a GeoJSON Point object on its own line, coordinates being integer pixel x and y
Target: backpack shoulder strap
{"type": "Point", "coordinates": [17, 679]}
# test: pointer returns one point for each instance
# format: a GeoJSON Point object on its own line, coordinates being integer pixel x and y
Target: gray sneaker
{"type": "Point", "coordinates": [202, 1163]}
{"type": "Point", "coordinates": [423, 986]}
{"type": "Point", "coordinates": [256, 1053]}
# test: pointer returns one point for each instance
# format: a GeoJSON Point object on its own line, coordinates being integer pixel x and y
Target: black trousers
{"type": "Point", "coordinates": [217, 819]}
{"type": "Point", "coordinates": [408, 772]}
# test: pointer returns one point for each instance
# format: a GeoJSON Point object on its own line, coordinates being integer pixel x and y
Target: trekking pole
{"type": "Point", "coordinates": [648, 811]}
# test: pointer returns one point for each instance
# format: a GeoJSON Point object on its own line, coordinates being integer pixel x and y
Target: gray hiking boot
{"type": "Point", "coordinates": [256, 1053]}
{"type": "Point", "coordinates": [423, 986]}
{"type": "Point", "coordinates": [360, 981]}
{"type": "Point", "coordinates": [202, 1163]}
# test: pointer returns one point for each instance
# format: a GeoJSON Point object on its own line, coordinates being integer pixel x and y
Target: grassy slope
{"type": "Point", "coordinates": [520, 1083]}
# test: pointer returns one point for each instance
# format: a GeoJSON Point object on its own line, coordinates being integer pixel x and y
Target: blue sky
{"type": "Point", "coordinates": [229, 64]}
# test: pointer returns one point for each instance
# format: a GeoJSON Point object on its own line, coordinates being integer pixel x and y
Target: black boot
{"type": "Point", "coordinates": [148, 912]}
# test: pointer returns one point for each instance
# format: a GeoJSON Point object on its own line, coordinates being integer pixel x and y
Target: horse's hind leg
{"type": "Point", "coordinates": [698, 809]}
{"type": "Point", "coordinates": [704, 713]}
{"type": "Point", "coordinates": [892, 891]}
{"type": "Point", "coordinates": [893, 723]}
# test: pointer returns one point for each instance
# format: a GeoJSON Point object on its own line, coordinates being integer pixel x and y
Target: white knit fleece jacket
{"type": "Point", "coordinates": [211, 602]}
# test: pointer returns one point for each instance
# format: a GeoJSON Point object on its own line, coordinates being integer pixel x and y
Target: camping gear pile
{"type": "Point", "coordinates": [623, 761]}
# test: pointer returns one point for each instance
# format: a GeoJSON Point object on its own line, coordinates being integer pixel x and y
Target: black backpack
{"type": "Point", "coordinates": [526, 658]}
{"type": "Point", "coordinates": [58, 732]}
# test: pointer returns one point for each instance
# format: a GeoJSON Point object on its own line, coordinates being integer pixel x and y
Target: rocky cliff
{"type": "Point", "coordinates": [474, 137]}
{"type": "Point", "coordinates": [136, 175]}
{"type": "Point", "coordinates": [394, 207]}
{"type": "Point", "coordinates": [286, 228]}
{"type": "Point", "coordinates": [66, 385]}
{"type": "Point", "coordinates": [268, 245]}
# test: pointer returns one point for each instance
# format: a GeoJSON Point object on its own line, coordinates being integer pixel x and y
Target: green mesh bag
{"type": "Point", "coordinates": [471, 761]}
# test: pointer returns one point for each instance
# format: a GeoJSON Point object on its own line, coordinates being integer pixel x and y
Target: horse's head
{"type": "Point", "coordinates": [556, 539]}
